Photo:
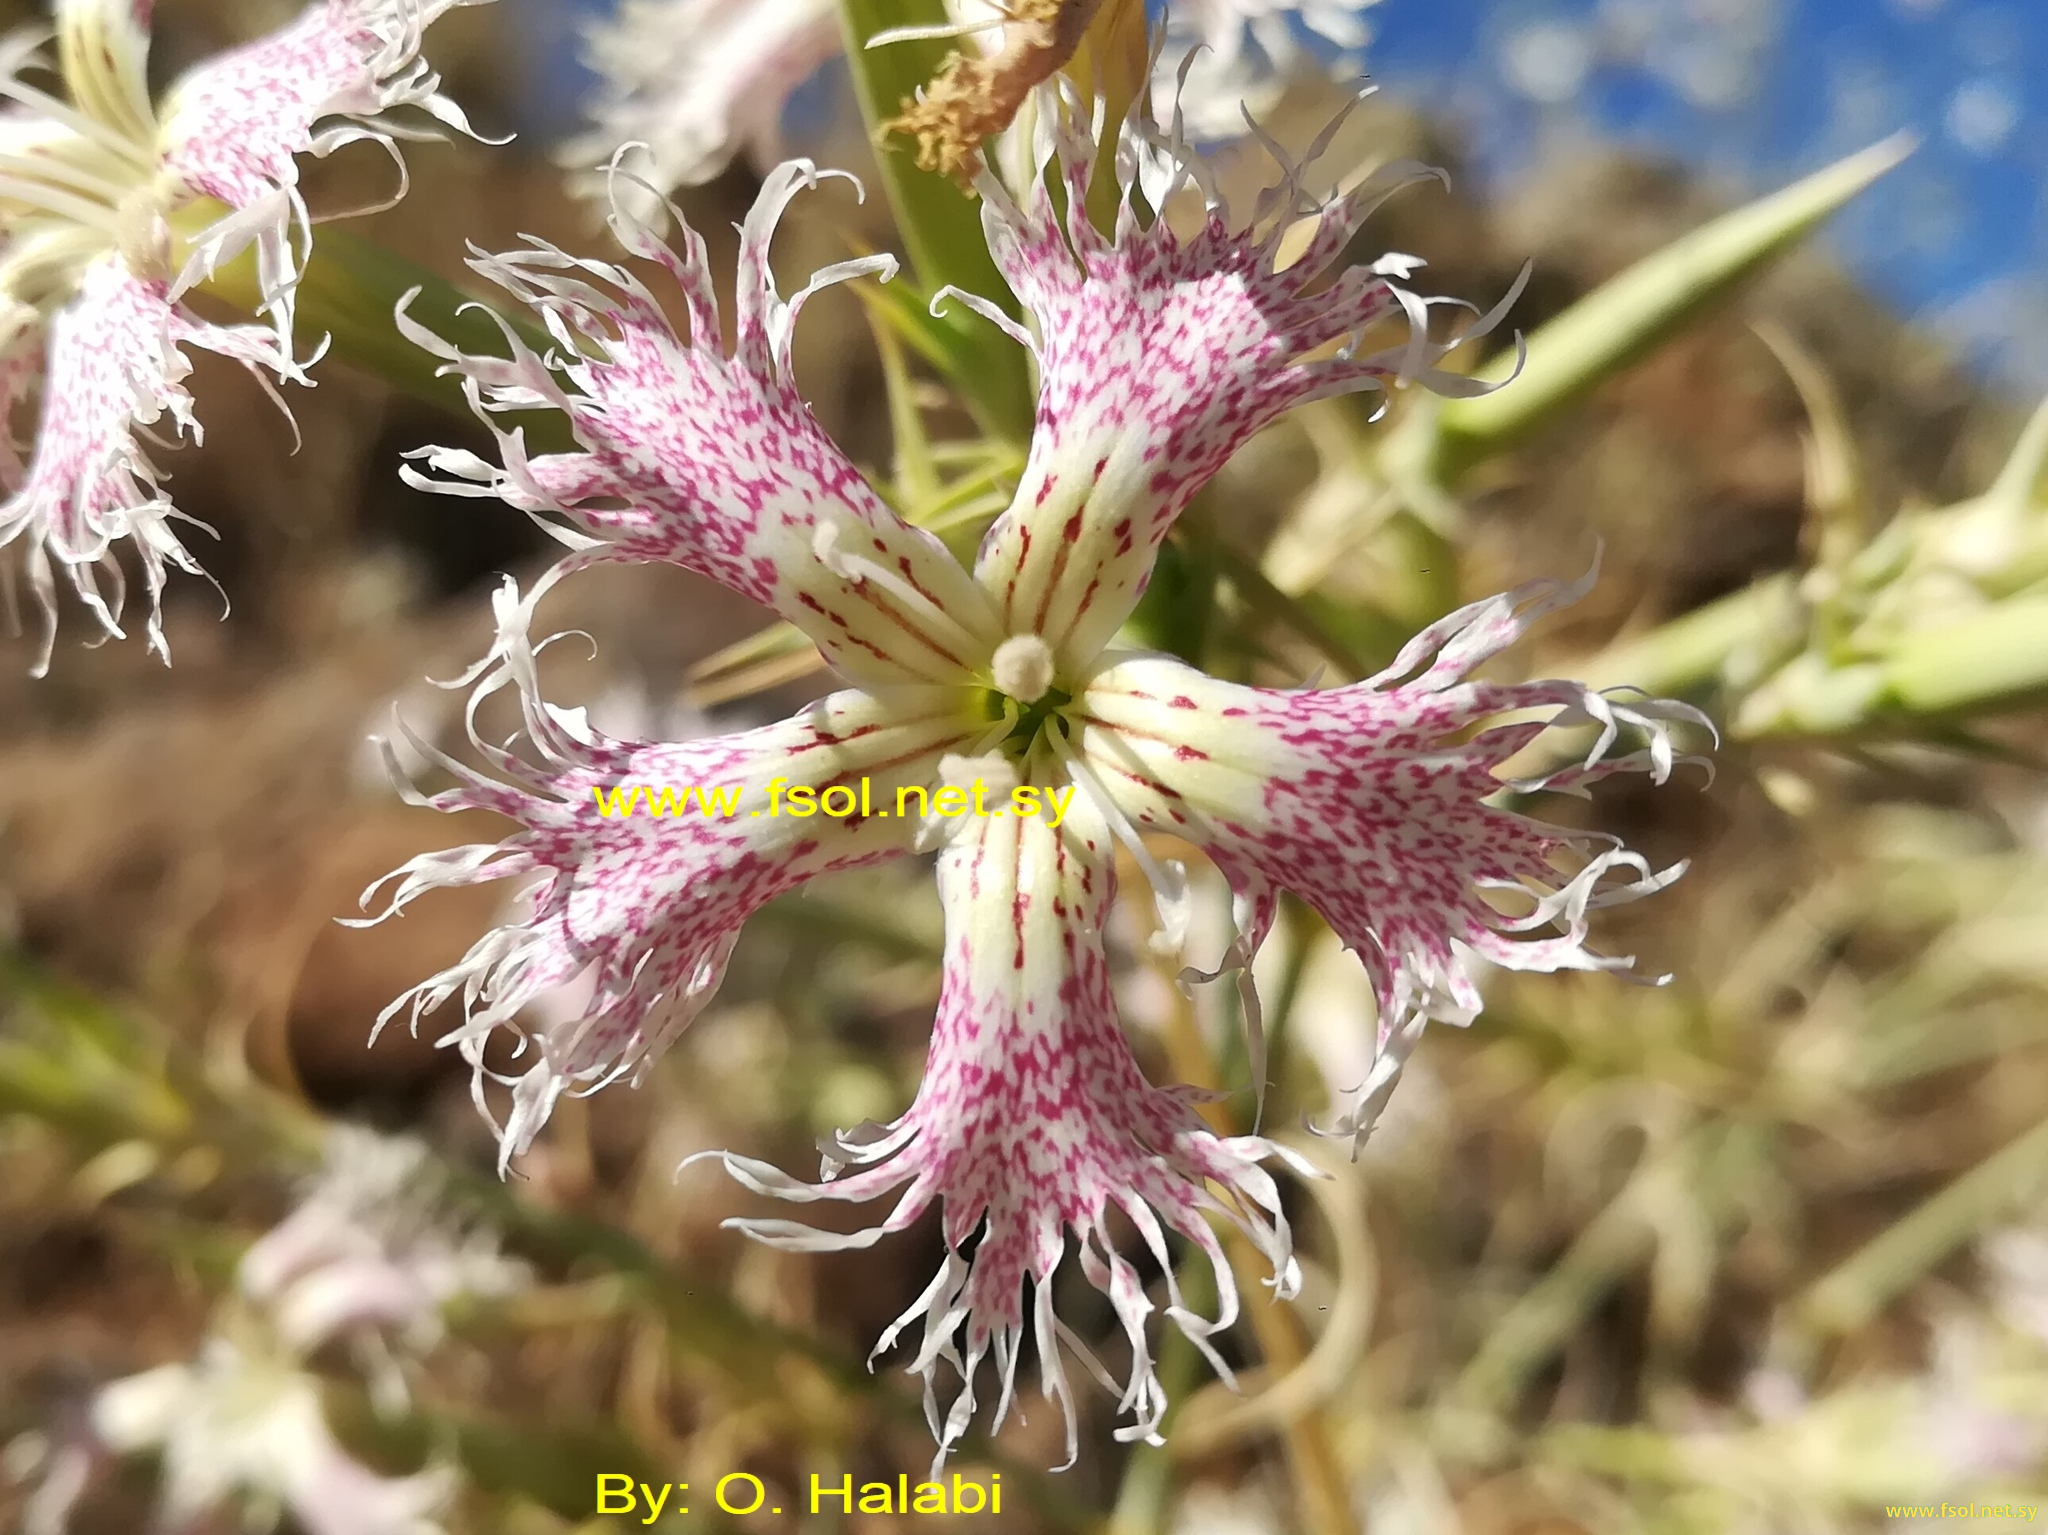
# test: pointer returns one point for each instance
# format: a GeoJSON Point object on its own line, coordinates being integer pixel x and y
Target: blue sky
{"type": "Point", "coordinates": [1753, 92]}
{"type": "Point", "coordinates": [1756, 92]}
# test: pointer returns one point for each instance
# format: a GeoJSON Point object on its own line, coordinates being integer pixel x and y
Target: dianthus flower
{"type": "Point", "coordinates": [1159, 353]}
{"type": "Point", "coordinates": [242, 1426]}
{"type": "Point", "coordinates": [374, 1247]}
{"type": "Point", "coordinates": [90, 293]}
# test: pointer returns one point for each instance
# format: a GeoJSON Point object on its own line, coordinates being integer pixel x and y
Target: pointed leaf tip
{"type": "Point", "coordinates": [1632, 313]}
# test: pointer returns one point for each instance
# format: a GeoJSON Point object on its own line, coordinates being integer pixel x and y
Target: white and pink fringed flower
{"type": "Point", "coordinates": [241, 1431]}
{"type": "Point", "coordinates": [1159, 352]}
{"type": "Point", "coordinates": [91, 285]}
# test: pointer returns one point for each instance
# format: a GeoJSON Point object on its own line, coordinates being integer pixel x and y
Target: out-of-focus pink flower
{"type": "Point", "coordinates": [370, 1256]}
{"type": "Point", "coordinates": [700, 81]}
{"type": "Point", "coordinates": [91, 311]}
{"type": "Point", "coordinates": [371, 1248]}
{"type": "Point", "coordinates": [245, 1427]}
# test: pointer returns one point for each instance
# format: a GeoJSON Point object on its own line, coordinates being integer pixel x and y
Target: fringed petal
{"type": "Point", "coordinates": [708, 461]}
{"type": "Point", "coordinates": [1374, 804]}
{"type": "Point", "coordinates": [115, 366]}
{"type": "Point", "coordinates": [1160, 354]}
{"type": "Point", "coordinates": [638, 891]}
{"type": "Point", "coordinates": [697, 82]}
{"type": "Point", "coordinates": [233, 126]}
{"type": "Point", "coordinates": [1032, 1122]}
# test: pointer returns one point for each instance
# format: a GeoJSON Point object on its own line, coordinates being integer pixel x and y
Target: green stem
{"type": "Point", "coordinates": [1994, 661]}
{"type": "Point", "coordinates": [1852, 1295]}
{"type": "Point", "coordinates": [1688, 654]}
{"type": "Point", "coordinates": [939, 222]}
{"type": "Point", "coordinates": [940, 225]}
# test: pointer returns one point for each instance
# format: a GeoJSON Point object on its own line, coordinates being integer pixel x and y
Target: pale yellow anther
{"type": "Point", "coordinates": [1023, 667]}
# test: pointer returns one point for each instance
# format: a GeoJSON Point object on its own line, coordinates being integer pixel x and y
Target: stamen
{"type": "Point", "coordinates": [1169, 881]}
{"type": "Point", "coordinates": [858, 570]}
{"type": "Point", "coordinates": [102, 66]}
{"type": "Point", "coordinates": [61, 204]}
{"type": "Point", "coordinates": [144, 157]}
{"type": "Point", "coordinates": [60, 172]}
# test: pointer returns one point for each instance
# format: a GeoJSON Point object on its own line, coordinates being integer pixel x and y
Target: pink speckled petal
{"type": "Point", "coordinates": [233, 125]}
{"type": "Point", "coordinates": [1032, 1122]}
{"type": "Point", "coordinates": [1364, 801]}
{"type": "Point", "coordinates": [115, 365]}
{"type": "Point", "coordinates": [1159, 354]}
{"type": "Point", "coordinates": [644, 908]}
{"type": "Point", "coordinates": [709, 461]}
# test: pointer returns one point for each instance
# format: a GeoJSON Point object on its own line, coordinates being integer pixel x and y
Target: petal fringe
{"type": "Point", "coordinates": [707, 461]}
{"type": "Point", "coordinates": [1032, 1123]}
{"type": "Point", "coordinates": [1160, 353]}
{"type": "Point", "coordinates": [115, 366]}
{"type": "Point", "coordinates": [1376, 804]}
{"type": "Point", "coordinates": [234, 125]}
{"type": "Point", "coordinates": [637, 888]}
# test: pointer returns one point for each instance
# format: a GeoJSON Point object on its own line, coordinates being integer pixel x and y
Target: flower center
{"type": "Point", "coordinates": [1023, 668]}
{"type": "Point", "coordinates": [78, 177]}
